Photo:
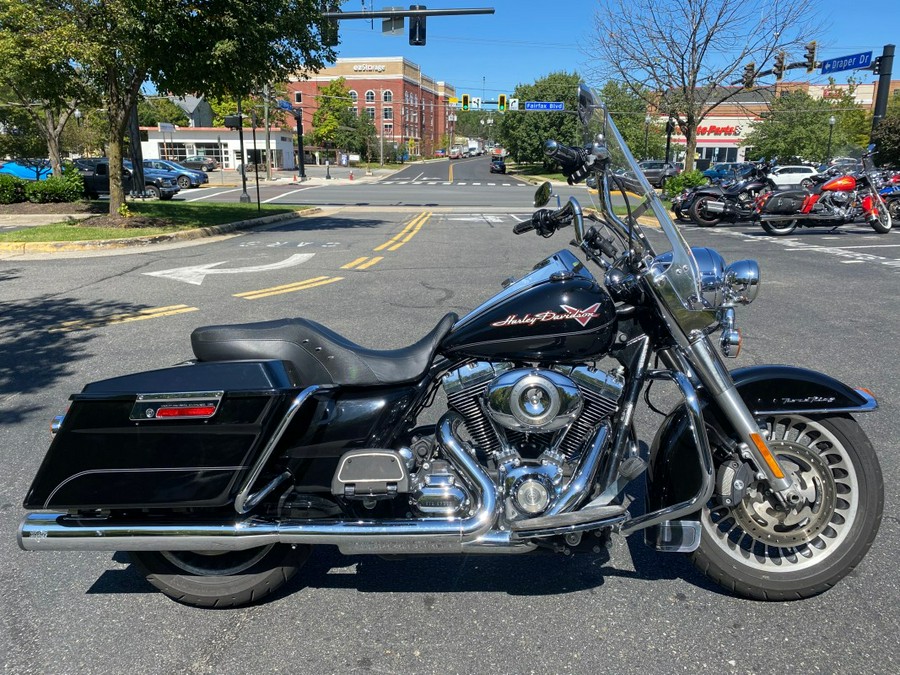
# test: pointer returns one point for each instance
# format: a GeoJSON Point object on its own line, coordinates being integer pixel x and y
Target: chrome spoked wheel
{"type": "Point", "coordinates": [763, 549]}
{"type": "Point", "coordinates": [761, 533]}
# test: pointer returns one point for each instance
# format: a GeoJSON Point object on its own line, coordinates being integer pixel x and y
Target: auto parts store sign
{"type": "Point", "coordinates": [716, 130]}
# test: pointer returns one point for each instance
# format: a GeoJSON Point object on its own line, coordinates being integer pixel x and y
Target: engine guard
{"type": "Point", "coordinates": [675, 471]}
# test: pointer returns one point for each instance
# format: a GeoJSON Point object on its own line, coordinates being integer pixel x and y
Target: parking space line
{"type": "Point", "coordinates": [214, 194]}
{"type": "Point", "coordinates": [266, 201]}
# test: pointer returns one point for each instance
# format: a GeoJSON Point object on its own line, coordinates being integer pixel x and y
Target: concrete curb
{"type": "Point", "coordinates": [22, 248]}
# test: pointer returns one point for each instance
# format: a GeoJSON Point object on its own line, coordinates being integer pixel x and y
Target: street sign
{"type": "Point", "coordinates": [513, 104]}
{"type": "Point", "coordinates": [284, 105]}
{"type": "Point", "coordinates": [475, 104]}
{"type": "Point", "coordinates": [545, 106]}
{"type": "Point", "coordinates": [862, 60]}
{"type": "Point", "coordinates": [166, 127]}
{"type": "Point", "coordinates": [453, 99]}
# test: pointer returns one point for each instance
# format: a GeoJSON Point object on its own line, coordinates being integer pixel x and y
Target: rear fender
{"type": "Point", "coordinates": [675, 471]}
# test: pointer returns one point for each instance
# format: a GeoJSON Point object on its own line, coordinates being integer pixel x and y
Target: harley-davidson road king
{"type": "Point", "coordinates": [219, 476]}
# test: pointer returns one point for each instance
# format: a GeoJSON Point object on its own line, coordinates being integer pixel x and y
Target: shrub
{"type": "Point", "coordinates": [686, 179]}
{"type": "Point", "coordinates": [66, 188]}
{"type": "Point", "coordinates": [12, 189]}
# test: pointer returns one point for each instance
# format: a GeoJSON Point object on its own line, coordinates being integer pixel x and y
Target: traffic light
{"type": "Point", "coordinates": [876, 65]}
{"type": "Point", "coordinates": [809, 57]}
{"type": "Point", "coordinates": [328, 28]}
{"type": "Point", "coordinates": [417, 28]}
{"type": "Point", "coordinates": [749, 75]}
{"type": "Point", "coordinates": [778, 68]}
{"type": "Point", "coordinates": [501, 102]}
{"type": "Point", "coordinates": [465, 101]}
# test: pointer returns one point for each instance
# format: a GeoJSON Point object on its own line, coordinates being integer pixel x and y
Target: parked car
{"type": "Point", "coordinates": [159, 184]}
{"type": "Point", "coordinates": [722, 171]}
{"type": "Point", "coordinates": [201, 162]}
{"type": "Point", "coordinates": [456, 152]}
{"type": "Point", "coordinates": [187, 178]}
{"type": "Point", "coordinates": [38, 169]}
{"type": "Point", "coordinates": [498, 165]}
{"type": "Point", "coordinates": [658, 172]}
{"type": "Point", "coordinates": [784, 176]}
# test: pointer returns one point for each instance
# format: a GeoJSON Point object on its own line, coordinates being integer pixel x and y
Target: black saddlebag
{"type": "Point", "coordinates": [785, 203]}
{"type": "Point", "coordinates": [178, 437]}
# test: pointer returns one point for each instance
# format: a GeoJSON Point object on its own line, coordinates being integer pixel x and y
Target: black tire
{"type": "Point", "coordinates": [806, 183]}
{"type": "Point", "coordinates": [197, 579]}
{"type": "Point", "coordinates": [763, 552]}
{"type": "Point", "coordinates": [779, 230]}
{"type": "Point", "coordinates": [167, 197]}
{"type": "Point", "coordinates": [698, 213]}
{"type": "Point", "coordinates": [184, 182]}
{"type": "Point", "coordinates": [883, 222]}
{"type": "Point", "coordinates": [153, 191]}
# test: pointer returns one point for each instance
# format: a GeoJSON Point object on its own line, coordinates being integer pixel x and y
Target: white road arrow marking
{"type": "Point", "coordinates": [196, 273]}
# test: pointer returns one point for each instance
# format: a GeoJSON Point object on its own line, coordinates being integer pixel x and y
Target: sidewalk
{"type": "Point", "coordinates": [315, 175]}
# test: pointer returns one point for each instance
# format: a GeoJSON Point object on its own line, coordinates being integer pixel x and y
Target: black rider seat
{"type": "Point", "coordinates": [320, 355]}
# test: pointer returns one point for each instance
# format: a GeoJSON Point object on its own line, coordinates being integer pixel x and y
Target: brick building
{"type": "Point", "coordinates": [407, 107]}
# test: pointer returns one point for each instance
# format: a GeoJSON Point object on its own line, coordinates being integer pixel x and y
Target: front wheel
{"type": "Point", "coordinates": [220, 578]}
{"type": "Point", "coordinates": [779, 229]}
{"type": "Point", "coordinates": [882, 222]}
{"type": "Point", "coordinates": [699, 214]}
{"type": "Point", "coordinates": [894, 209]}
{"type": "Point", "coordinates": [762, 550]}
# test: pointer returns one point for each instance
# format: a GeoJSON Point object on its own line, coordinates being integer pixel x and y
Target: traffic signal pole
{"type": "Point", "coordinates": [885, 66]}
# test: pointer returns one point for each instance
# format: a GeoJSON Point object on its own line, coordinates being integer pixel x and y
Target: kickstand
{"type": "Point", "coordinates": [834, 229]}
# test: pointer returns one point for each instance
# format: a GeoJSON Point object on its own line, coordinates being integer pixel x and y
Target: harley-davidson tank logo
{"type": "Point", "coordinates": [582, 316]}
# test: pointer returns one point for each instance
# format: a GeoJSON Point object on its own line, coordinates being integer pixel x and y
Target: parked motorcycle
{"type": "Point", "coordinates": [681, 203]}
{"type": "Point", "coordinates": [219, 475]}
{"type": "Point", "coordinates": [839, 200]}
{"type": "Point", "coordinates": [711, 204]}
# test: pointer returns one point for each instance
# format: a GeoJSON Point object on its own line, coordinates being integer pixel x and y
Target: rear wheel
{"type": "Point", "coordinates": [779, 229]}
{"type": "Point", "coordinates": [699, 214]}
{"type": "Point", "coordinates": [220, 578]}
{"type": "Point", "coordinates": [763, 550]}
{"type": "Point", "coordinates": [806, 183]}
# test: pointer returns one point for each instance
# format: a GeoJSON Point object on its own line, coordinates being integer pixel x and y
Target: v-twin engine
{"type": "Point", "coordinates": [531, 425]}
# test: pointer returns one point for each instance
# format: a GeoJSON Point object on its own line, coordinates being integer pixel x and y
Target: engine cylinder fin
{"type": "Point", "coordinates": [596, 409]}
{"type": "Point", "coordinates": [476, 422]}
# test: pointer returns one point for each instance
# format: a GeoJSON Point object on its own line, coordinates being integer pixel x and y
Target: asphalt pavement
{"type": "Point", "coordinates": [828, 301]}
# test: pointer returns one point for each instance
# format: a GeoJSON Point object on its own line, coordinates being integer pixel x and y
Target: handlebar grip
{"type": "Point", "coordinates": [523, 227]}
{"type": "Point", "coordinates": [568, 156]}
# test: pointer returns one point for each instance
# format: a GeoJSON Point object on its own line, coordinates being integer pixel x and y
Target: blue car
{"type": "Point", "coordinates": [723, 170]}
{"type": "Point", "coordinates": [187, 178]}
{"type": "Point", "coordinates": [35, 170]}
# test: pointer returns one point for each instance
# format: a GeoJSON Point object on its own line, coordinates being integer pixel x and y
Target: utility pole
{"type": "Point", "coordinates": [266, 120]}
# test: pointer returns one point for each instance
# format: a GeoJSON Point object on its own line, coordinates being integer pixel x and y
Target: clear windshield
{"type": "Point", "coordinates": [627, 201]}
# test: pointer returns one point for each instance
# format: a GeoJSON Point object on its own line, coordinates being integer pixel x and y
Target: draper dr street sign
{"type": "Point", "coordinates": [863, 60]}
{"type": "Point", "coordinates": [545, 105]}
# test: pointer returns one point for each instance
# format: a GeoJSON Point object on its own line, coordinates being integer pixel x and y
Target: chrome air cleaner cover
{"type": "Point", "coordinates": [533, 400]}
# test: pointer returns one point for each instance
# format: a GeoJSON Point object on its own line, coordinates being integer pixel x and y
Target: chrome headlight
{"type": "Point", "coordinates": [712, 276]}
{"type": "Point", "coordinates": [741, 282]}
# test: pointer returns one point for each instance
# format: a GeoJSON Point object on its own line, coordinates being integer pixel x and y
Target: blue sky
{"type": "Point", "coordinates": [527, 39]}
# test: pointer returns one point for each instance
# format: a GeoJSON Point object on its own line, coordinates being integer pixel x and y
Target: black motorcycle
{"type": "Point", "coordinates": [713, 204]}
{"type": "Point", "coordinates": [218, 476]}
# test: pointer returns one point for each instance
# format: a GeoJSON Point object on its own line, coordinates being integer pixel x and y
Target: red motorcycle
{"type": "Point", "coordinates": [837, 201]}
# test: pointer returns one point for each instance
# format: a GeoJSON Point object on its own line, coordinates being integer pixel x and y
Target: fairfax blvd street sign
{"type": "Point", "coordinates": [862, 60]}
{"type": "Point", "coordinates": [545, 106]}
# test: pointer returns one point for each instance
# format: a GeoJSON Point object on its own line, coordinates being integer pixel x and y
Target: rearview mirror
{"type": "Point", "coordinates": [542, 195]}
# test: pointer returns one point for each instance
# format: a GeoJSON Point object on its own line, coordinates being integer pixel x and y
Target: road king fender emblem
{"type": "Point", "coordinates": [582, 316]}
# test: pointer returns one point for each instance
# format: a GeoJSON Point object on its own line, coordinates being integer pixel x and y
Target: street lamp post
{"type": "Point", "coordinates": [245, 198]}
{"type": "Point", "coordinates": [647, 121]}
{"type": "Point", "coordinates": [670, 129]}
{"type": "Point", "coordinates": [831, 123]}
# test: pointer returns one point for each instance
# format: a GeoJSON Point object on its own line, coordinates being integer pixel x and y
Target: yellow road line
{"type": "Point", "coordinates": [278, 288]}
{"type": "Point", "coordinates": [421, 217]}
{"type": "Point", "coordinates": [367, 265]}
{"type": "Point", "coordinates": [411, 233]}
{"type": "Point", "coordinates": [288, 288]}
{"type": "Point", "coordinates": [351, 265]}
{"type": "Point", "coordinates": [152, 313]}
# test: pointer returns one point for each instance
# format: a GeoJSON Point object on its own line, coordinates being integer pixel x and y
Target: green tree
{"type": "Point", "coordinates": [797, 125]}
{"type": "Point", "coordinates": [38, 71]}
{"type": "Point", "coordinates": [335, 121]}
{"type": "Point", "coordinates": [227, 46]}
{"type": "Point", "coordinates": [523, 133]}
{"type": "Point", "coordinates": [152, 111]}
{"type": "Point", "coordinates": [629, 112]}
{"type": "Point", "coordinates": [887, 137]}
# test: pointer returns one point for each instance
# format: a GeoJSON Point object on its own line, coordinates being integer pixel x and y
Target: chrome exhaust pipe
{"type": "Point", "coordinates": [62, 532]}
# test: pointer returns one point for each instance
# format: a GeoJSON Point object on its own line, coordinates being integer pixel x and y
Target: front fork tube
{"type": "Point", "coordinates": [707, 365]}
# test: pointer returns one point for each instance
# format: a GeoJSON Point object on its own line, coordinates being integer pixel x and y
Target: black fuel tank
{"type": "Point", "coordinates": [557, 313]}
